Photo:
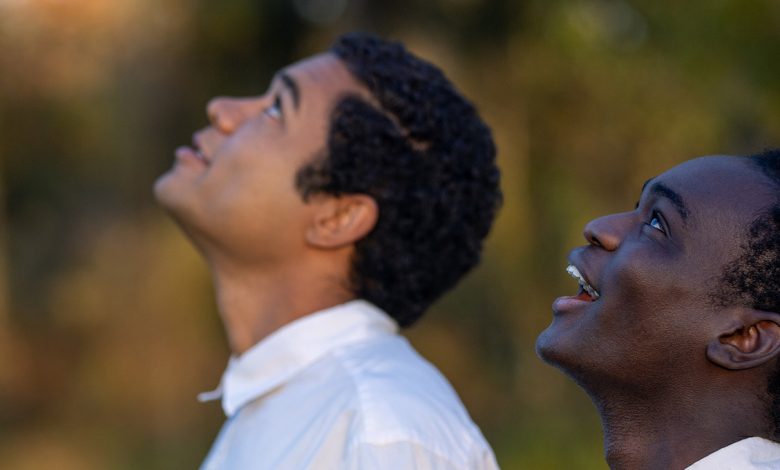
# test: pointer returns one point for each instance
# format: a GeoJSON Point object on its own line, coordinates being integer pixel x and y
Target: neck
{"type": "Point", "coordinates": [671, 431]}
{"type": "Point", "coordinates": [254, 302]}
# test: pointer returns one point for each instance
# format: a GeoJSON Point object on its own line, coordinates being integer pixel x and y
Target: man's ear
{"type": "Point", "coordinates": [752, 339]}
{"type": "Point", "coordinates": [342, 220]}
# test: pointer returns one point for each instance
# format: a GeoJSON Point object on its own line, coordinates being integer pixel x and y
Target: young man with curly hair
{"type": "Point", "coordinates": [331, 211]}
{"type": "Point", "coordinates": [675, 332]}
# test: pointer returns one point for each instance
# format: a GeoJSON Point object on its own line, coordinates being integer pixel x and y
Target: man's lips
{"type": "Point", "coordinates": [190, 154]}
{"type": "Point", "coordinates": [584, 284]}
{"type": "Point", "coordinates": [587, 294]}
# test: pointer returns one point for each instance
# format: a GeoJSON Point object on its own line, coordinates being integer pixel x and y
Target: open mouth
{"type": "Point", "coordinates": [198, 152]}
{"type": "Point", "coordinates": [201, 156]}
{"type": "Point", "coordinates": [587, 292]}
{"type": "Point", "coordinates": [187, 153]}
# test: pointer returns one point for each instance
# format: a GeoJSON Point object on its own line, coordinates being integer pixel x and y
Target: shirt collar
{"type": "Point", "coordinates": [753, 452]}
{"type": "Point", "coordinates": [283, 354]}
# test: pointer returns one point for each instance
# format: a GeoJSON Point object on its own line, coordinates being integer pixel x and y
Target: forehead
{"type": "Point", "coordinates": [722, 194]}
{"type": "Point", "coordinates": [323, 78]}
{"type": "Point", "coordinates": [720, 183]}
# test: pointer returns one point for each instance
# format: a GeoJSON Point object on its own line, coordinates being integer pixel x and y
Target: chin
{"type": "Point", "coordinates": [161, 186]}
{"type": "Point", "coordinates": [558, 349]}
{"type": "Point", "coordinates": [172, 197]}
{"type": "Point", "coordinates": [563, 340]}
{"type": "Point", "coordinates": [590, 371]}
{"type": "Point", "coordinates": [168, 193]}
{"type": "Point", "coordinates": [181, 204]}
{"type": "Point", "coordinates": [547, 346]}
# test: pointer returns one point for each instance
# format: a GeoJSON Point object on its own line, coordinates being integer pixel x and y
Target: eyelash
{"type": "Point", "coordinates": [275, 110]}
{"type": "Point", "coordinates": [660, 221]}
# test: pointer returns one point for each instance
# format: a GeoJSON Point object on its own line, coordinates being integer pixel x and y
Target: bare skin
{"type": "Point", "coordinates": [673, 432]}
{"type": "Point", "coordinates": [674, 375]}
{"type": "Point", "coordinates": [254, 303]}
{"type": "Point", "coordinates": [273, 256]}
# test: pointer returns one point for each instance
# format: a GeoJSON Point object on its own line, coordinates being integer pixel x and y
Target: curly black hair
{"type": "Point", "coordinates": [754, 277]}
{"type": "Point", "coordinates": [423, 153]}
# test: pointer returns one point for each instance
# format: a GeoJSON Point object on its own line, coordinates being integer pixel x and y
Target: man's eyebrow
{"type": "Point", "coordinates": [292, 85]}
{"type": "Point", "coordinates": [636, 206]}
{"type": "Point", "coordinates": [663, 190]}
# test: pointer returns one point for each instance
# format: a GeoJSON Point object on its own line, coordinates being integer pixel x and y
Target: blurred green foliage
{"type": "Point", "coordinates": [107, 322]}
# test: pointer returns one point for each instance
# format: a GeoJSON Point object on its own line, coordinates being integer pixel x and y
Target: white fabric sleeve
{"type": "Point", "coordinates": [409, 455]}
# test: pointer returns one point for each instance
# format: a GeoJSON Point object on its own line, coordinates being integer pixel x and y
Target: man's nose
{"type": "Point", "coordinates": [609, 231]}
{"type": "Point", "coordinates": [227, 114]}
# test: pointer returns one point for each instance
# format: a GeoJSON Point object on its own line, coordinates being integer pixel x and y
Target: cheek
{"type": "Point", "coordinates": [252, 188]}
{"type": "Point", "coordinates": [644, 282]}
{"type": "Point", "coordinates": [242, 194]}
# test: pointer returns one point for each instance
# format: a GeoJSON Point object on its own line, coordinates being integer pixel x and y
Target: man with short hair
{"type": "Point", "coordinates": [331, 211]}
{"type": "Point", "coordinates": [675, 332]}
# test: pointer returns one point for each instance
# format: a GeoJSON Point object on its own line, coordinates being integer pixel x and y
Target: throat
{"type": "Point", "coordinates": [671, 434]}
{"type": "Point", "coordinates": [254, 304]}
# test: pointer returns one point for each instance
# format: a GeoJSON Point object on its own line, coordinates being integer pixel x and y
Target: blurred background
{"type": "Point", "coordinates": [108, 328]}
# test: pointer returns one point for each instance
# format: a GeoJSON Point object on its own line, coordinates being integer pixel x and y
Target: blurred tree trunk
{"type": "Point", "coordinates": [4, 301]}
{"type": "Point", "coordinates": [6, 349]}
{"type": "Point", "coordinates": [4, 295]}
{"type": "Point", "coordinates": [6, 90]}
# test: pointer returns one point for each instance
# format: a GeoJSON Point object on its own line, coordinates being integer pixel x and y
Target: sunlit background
{"type": "Point", "coordinates": [108, 328]}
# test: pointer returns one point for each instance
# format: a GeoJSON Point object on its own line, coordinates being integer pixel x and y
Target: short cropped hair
{"type": "Point", "coordinates": [425, 156]}
{"type": "Point", "coordinates": [753, 279]}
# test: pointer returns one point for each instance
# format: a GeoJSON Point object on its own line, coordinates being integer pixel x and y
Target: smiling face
{"type": "Point", "coordinates": [656, 270]}
{"type": "Point", "coordinates": [234, 191]}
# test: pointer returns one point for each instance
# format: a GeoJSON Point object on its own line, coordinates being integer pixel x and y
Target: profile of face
{"type": "Point", "coordinates": [234, 190]}
{"type": "Point", "coordinates": [653, 273]}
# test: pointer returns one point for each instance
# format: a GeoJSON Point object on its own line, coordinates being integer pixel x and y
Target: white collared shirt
{"type": "Point", "coordinates": [340, 389]}
{"type": "Point", "coordinates": [753, 453]}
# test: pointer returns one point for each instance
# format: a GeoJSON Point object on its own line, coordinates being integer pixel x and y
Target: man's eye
{"type": "Point", "coordinates": [275, 110]}
{"type": "Point", "coordinates": [657, 223]}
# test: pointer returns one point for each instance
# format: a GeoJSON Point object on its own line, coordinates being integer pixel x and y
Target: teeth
{"type": "Point", "coordinates": [575, 273]}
